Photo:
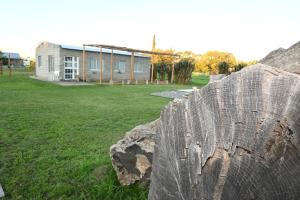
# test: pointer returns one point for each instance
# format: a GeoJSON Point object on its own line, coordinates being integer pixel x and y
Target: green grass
{"type": "Point", "coordinates": [199, 79]}
{"type": "Point", "coordinates": [54, 140]}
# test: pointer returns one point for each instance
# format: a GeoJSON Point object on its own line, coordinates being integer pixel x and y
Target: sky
{"type": "Point", "coordinates": [249, 29]}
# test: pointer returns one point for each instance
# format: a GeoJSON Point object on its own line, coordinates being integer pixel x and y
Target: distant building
{"type": "Point", "coordinates": [64, 62]}
{"type": "Point", "coordinates": [15, 59]}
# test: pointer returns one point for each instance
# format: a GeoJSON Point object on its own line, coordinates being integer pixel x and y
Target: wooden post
{"type": "Point", "coordinates": [152, 70]}
{"type": "Point", "coordinates": [152, 58]}
{"type": "Point", "coordinates": [9, 64]}
{"type": "Point", "coordinates": [101, 66]}
{"type": "Point", "coordinates": [83, 64]}
{"type": "Point", "coordinates": [111, 65]}
{"type": "Point", "coordinates": [172, 77]}
{"type": "Point", "coordinates": [132, 67]}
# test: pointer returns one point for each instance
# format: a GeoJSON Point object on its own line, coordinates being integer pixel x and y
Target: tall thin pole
{"type": "Point", "coordinates": [83, 63]}
{"type": "Point", "coordinates": [9, 64]}
{"type": "Point", "coordinates": [101, 66]}
{"type": "Point", "coordinates": [152, 58]}
{"type": "Point", "coordinates": [111, 65]}
{"type": "Point", "coordinates": [132, 67]}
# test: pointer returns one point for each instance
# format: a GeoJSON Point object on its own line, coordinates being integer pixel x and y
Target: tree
{"type": "Point", "coordinates": [210, 61]}
{"type": "Point", "coordinates": [163, 64]}
{"type": "Point", "coordinates": [186, 54]}
{"type": "Point", "coordinates": [32, 66]}
{"type": "Point", "coordinates": [241, 65]}
{"type": "Point", "coordinates": [3, 59]}
{"type": "Point", "coordinates": [223, 67]}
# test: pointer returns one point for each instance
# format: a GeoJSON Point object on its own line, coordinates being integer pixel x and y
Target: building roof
{"type": "Point", "coordinates": [93, 49]}
{"type": "Point", "coordinates": [11, 55]}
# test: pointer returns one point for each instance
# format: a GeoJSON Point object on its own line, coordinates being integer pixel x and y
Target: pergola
{"type": "Point", "coordinates": [112, 48]}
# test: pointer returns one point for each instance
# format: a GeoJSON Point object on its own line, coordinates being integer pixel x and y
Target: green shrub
{"type": "Point", "coordinates": [32, 66]}
{"type": "Point", "coordinates": [223, 67]}
{"type": "Point", "coordinates": [183, 71]}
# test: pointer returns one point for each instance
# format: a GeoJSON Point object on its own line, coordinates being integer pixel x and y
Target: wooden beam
{"type": "Point", "coordinates": [111, 65]}
{"type": "Point", "coordinates": [83, 63]}
{"type": "Point", "coordinates": [172, 77]}
{"type": "Point", "coordinates": [130, 49]}
{"type": "Point", "coordinates": [132, 67]}
{"type": "Point", "coordinates": [101, 66]}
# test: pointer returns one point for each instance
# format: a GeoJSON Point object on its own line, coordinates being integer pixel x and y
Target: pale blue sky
{"type": "Point", "coordinates": [247, 28]}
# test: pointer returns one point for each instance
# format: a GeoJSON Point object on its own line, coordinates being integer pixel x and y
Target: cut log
{"type": "Point", "coordinates": [285, 59]}
{"type": "Point", "coordinates": [217, 77]}
{"type": "Point", "coordinates": [132, 156]}
{"type": "Point", "coordinates": [237, 138]}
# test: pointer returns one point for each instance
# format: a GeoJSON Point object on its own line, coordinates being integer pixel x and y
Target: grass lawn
{"type": "Point", "coordinates": [54, 140]}
{"type": "Point", "coordinates": [199, 79]}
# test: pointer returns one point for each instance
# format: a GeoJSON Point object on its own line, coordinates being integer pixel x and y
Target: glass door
{"type": "Point", "coordinates": [71, 67]}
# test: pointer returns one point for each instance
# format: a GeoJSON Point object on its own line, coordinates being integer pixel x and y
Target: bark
{"type": "Point", "coordinates": [132, 156]}
{"type": "Point", "coordinates": [237, 138]}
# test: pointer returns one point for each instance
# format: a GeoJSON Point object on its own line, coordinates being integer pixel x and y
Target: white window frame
{"type": "Point", "coordinates": [138, 67]}
{"type": "Point", "coordinates": [93, 64]}
{"type": "Point", "coordinates": [120, 67]}
{"type": "Point", "coordinates": [72, 66]}
{"type": "Point", "coordinates": [39, 61]}
{"type": "Point", "coordinates": [50, 63]}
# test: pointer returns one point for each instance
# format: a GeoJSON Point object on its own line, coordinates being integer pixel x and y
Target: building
{"type": "Point", "coordinates": [63, 62]}
{"type": "Point", "coordinates": [13, 58]}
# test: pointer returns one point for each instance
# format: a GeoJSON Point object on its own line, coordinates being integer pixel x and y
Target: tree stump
{"type": "Point", "coordinates": [237, 138]}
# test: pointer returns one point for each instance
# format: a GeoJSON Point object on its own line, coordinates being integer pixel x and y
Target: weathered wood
{"type": "Point", "coordinates": [172, 75]}
{"type": "Point", "coordinates": [111, 66]}
{"type": "Point", "coordinates": [130, 49]}
{"type": "Point", "coordinates": [83, 64]}
{"type": "Point", "coordinates": [132, 66]}
{"type": "Point", "coordinates": [216, 77]}
{"type": "Point", "coordinates": [132, 156]}
{"type": "Point", "coordinates": [101, 66]}
{"type": "Point", "coordinates": [237, 138]}
{"type": "Point", "coordinates": [285, 59]}
{"type": "Point", "coordinates": [152, 70]}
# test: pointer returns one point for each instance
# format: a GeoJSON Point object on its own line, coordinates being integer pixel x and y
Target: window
{"type": "Point", "coordinates": [68, 62]}
{"type": "Point", "coordinates": [93, 63]}
{"type": "Point", "coordinates": [138, 67]}
{"type": "Point", "coordinates": [39, 61]}
{"type": "Point", "coordinates": [120, 66]}
{"type": "Point", "coordinates": [50, 63]}
{"type": "Point", "coordinates": [71, 65]}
